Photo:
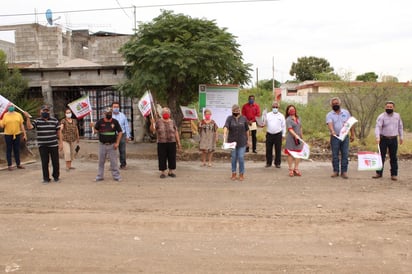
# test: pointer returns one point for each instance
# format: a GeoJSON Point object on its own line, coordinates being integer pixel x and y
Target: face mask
{"type": "Point", "coordinates": [389, 110]}
{"type": "Point", "coordinates": [68, 115]}
{"type": "Point", "coordinates": [11, 109]}
{"type": "Point", "coordinates": [235, 114]}
{"type": "Point", "coordinates": [251, 101]}
{"type": "Point", "coordinates": [292, 112]}
{"type": "Point", "coordinates": [45, 115]}
{"type": "Point", "coordinates": [116, 110]}
{"type": "Point", "coordinates": [275, 110]}
{"type": "Point", "coordinates": [108, 116]}
{"type": "Point", "coordinates": [335, 107]}
{"type": "Point", "coordinates": [207, 116]}
{"type": "Point", "coordinates": [166, 116]}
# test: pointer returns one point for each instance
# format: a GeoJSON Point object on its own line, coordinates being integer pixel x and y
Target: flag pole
{"type": "Point", "coordinates": [22, 110]}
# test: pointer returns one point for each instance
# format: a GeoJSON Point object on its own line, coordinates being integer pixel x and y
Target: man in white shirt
{"type": "Point", "coordinates": [275, 132]}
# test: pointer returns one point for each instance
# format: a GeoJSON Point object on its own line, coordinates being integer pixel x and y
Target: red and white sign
{"type": "Point", "coordinates": [81, 107]}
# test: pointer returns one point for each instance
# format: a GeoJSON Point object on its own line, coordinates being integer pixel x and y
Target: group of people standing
{"type": "Point", "coordinates": [240, 128]}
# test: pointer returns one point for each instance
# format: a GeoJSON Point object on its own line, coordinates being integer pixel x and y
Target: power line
{"type": "Point", "coordinates": [143, 6]}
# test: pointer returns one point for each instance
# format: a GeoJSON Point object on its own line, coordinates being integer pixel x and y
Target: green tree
{"type": "Point", "coordinates": [327, 76]}
{"type": "Point", "coordinates": [175, 53]}
{"type": "Point", "coordinates": [306, 68]}
{"type": "Point", "coordinates": [367, 77]}
{"type": "Point", "coordinates": [267, 84]}
{"type": "Point", "coordinates": [12, 83]}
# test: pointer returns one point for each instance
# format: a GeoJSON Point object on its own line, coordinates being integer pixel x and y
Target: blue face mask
{"type": "Point", "coordinates": [251, 101]}
{"type": "Point", "coordinates": [275, 110]}
{"type": "Point", "coordinates": [116, 110]}
{"type": "Point", "coordinates": [11, 109]}
{"type": "Point", "coordinates": [45, 115]}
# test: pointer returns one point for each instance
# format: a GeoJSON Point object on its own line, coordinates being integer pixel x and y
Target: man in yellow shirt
{"type": "Point", "coordinates": [14, 131]}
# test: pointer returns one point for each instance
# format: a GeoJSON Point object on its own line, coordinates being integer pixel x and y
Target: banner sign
{"type": "Point", "coordinates": [81, 107]}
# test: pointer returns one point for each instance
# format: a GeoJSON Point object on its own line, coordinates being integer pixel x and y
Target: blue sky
{"type": "Point", "coordinates": [354, 36]}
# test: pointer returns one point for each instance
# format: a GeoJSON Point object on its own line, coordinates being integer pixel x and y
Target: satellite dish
{"type": "Point", "coordinates": [49, 17]}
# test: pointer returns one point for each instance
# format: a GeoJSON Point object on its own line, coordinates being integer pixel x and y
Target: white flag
{"type": "Point", "coordinates": [145, 104]}
{"type": "Point", "coordinates": [4, 104]}
{"type": "Point", "coordinates": [346, 128]}
{"type": "Point", "coordinates": [81, 107]}
{"type": "Point", "coordinates": [302, 154]}
{"type": "Point", "coordinates": [189, 113]}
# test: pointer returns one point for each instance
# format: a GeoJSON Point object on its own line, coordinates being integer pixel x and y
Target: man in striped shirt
{"type": "Point", "coordinates": [49, 141]}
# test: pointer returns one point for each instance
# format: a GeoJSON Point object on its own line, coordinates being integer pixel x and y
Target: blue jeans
{"type": "Point", "coordinates": [238, 155]}
{"type": "Point", "coordinates": [122, 151]}
{"type": "Point", "coordinates": [341, 147]}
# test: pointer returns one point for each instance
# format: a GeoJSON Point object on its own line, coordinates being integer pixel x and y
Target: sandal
{"type": "Point", "coordinates": [297, 172]}
{"type": "Point", "coordinates": [291, 173]}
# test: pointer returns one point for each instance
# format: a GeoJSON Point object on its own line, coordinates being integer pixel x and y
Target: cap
{"type": "Point", "coordinates": [108, 109]}
{"type": "Point", "coordinates": [45, 107]}
{"type": "Point", "coordinates": [236, 108]}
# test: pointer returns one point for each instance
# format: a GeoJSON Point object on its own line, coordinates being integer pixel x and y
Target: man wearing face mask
{"type": "Point", "coordinates": [124, 123]}
{"type": "Point", "coordinates": [251, 110]}
{"type": "Point", "coordinates": [110, 133]}
{"type": "Point", "coordinates": [388, 127]}
{"type": "Point", "coordinates": [335, 120]}
{"type": "Point", "coordinates": [14, 131]}
{"type": "Point", "coordinates": [49, 140]}
{"type": "Point", "coordinates": [275, 132]}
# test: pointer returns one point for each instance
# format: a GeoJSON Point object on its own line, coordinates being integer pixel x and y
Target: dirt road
{"type": "Point", "coordinates": [201, 222]}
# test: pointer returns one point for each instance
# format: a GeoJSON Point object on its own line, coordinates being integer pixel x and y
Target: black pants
{"type": "Point", "coordinates": [273, 140]}
{"type": "Point", "coordinates": [254, 140]}
{"type": "Point", "coordinates": [166, 154]}
{"type": "Point", "coordinates": [45, 154]}
{"type": "Point", "coordinates": [386, 144]}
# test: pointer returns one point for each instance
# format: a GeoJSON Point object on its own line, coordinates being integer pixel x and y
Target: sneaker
{"type": "Point", "coordinates": [277, 166]}
{"type": "Point", "coordinates": [20, 167]}
{"type": "Point", "coordinates": [344, 175]}
{"type": "Point", "coordinates": [334, 175]}
{"type": "Point", "coordinates": [10, 168]}
{"type": "Point", "coordinates": [171, 175]}
{"type": "Point", "coordinates": [45, 182]}
{"type": "Point", "coordinates": [118, 180]}
{"type": "Point", "coordinates": [268, 165]}
{"type": "Point", "coordinates": [123, 167]}
{"type": "Point", "coordinates": [98, 179]}
{"type": "Point", "coordinates": [56, 180]}
{"type": "Point", "coordinates": [162, 176]}
{"type": "Point", "coordinates": [394, 178]}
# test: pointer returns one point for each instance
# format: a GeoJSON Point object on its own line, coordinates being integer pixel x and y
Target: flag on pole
{"type": "Point", "coordinates": [302, 154]}
{"type": "Point", "coordinates": [4, 104]}
{"type": "Point", "coordinates": [145, 104]}
{"type": "Point", "coordinates": [189, 113]}
{"type": "Point", "coordinates": [81, 107]}
{"type": "Point", "coordinates": [346, 128]}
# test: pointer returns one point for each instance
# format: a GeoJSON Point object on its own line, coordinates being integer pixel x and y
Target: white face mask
{"type": "Point", "coordinates": [275, 110]}
{"type": "Point", "coordinates": [68, 115]}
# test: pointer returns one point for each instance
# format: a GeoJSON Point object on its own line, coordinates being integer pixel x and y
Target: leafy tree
{"type": "Point", "coordinates": [306, 68]}
{"type": "Point", "coordinates": [12, 83]}
{"type": "Point", "coordinates": [327, 76]}
{"type": "Point", "coordinates": [175, 53]}
{"type": "Point", "coordinates": [367, 77]}
{"type": "Point", "coordinates": [267, 84]}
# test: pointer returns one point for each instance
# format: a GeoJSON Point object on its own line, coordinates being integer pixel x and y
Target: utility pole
{"type": "Point", "coordinates": [257, 77]}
